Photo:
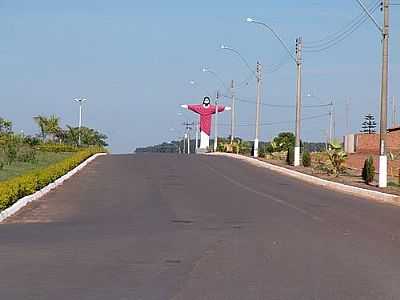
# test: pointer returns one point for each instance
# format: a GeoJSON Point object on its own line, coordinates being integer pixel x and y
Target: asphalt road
{"type": "Point", "coordinates": [178, 227]}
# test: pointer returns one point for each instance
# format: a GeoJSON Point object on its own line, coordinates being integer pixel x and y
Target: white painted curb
{"type": "Point", "coordinates": [27, 199]}
{"type": "Point", "coordinates": [340, 187]}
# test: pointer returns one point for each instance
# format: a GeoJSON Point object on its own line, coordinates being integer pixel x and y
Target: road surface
{"type": "Point", "coordinates": [177, 227]}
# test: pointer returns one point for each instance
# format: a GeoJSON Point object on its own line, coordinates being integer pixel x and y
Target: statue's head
{"type": "Point", "coordinates": [206, 102]}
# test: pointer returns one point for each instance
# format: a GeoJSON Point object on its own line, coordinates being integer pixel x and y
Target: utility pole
{"type": "Point", "coordinates": [334, 121]}
{"type": "Point", "coordinates": [330, 123]}
{"type": "Point", "coordinates": [188, 127]}
{"type": "Point", "coordinates": [347, 116]}
{"type": "Point", "coordinates": [394, 109]}
{"type": "Point", "coordinates": [258, 108]}
{"type": "Point", "coordinates": [233, 112]}
{"type": "Point", "coordinates": [184, 143]}
{"type": "Point", "coordinates": [299, 46]}
{"type": "Point", "coordinates": [384, 97]}
{"type": "Point", "coordinates": [197, 135]}
{"type": "Point", "coordinates": [216, 123]}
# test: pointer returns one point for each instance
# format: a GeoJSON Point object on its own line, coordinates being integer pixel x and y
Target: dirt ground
{"type": "Point", "coordinates": [352, 177]}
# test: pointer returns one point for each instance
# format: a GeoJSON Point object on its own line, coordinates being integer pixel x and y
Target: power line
{"type": "Point", "coordinates": [279, 105]}
{"type": "Point", "coordinates": [344, 35]}
{"type": "Point", "coordinates": [334, 35]}
{"type": "Point", "coordinates": [279, 122]}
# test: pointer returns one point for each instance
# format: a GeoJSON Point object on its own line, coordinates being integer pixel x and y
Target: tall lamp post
{"type": "Point", "coordinates": [384, 32]}
{"type": "Point", "coordinates": [298, 61]}
{"type": "Point", "coordinates": [80, 101]}
{"type": "Point", "coordinates": [257, 75]}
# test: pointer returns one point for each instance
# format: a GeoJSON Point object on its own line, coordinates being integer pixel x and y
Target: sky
{"type": "Point", "coordinates": [134, 61]}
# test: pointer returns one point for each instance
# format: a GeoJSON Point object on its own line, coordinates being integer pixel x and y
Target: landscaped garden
{"type": "Point", "coordinates": [326, 161]}
{"type": "Point", "coordinates": [29, 163]}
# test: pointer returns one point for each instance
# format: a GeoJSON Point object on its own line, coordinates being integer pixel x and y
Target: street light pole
{"type": "Point", "coordinates": [331, 123]}
{"type": "Point", "coordinates": [258, 107]}
{"type": "Point", "coordinates": [298, 60]}
{"type": "Point", "coordinates": [383, 161]}
{"type": "Point", "coordinates": [216, 123]}
{"type": "Point", "coordinates": [257, 75]}
{"type": "Point", "coordinates": [233, 112]}
{"type": "Point", "coordinates": [80, 101]}
{"type": "Point", "coordinates": [384, 98]}
{"type": "Point", "coordinates": [299, 44]}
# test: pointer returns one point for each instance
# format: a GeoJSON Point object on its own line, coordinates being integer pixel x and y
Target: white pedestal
{"type": "Point", "coordinates": [296, 156]}
{"type": "Point", "coordinates": [204, 141]}
{"type": "Point", "coordinates": [255, 154]}
{"type": "Point", "coordinates": [383, 166]}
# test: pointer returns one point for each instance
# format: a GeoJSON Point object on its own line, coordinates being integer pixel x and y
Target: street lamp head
{"type": "Point", "coordinates": [192, 82]}
{"type": "Point", "coordinates": [205, 70]}
{"type": "Point", "coordinates": [249, 20]}
{"type": "Point", "coordinates": [80, 100]}
{"type": "Point", "coordinates": [223, 47]}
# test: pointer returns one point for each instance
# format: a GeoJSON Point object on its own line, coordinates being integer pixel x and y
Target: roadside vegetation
{"type": "Point", "coordinates": [327, 161]}
{"type": "Point", "coordinates": [28, 163]}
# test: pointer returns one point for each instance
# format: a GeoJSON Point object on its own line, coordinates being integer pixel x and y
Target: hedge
{"type": "Point", "coordinates": [57, 148]}
{"type": "Point", "coordinates": [18, 187]}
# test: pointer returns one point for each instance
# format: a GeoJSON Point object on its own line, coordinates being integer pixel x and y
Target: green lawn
{"type": "Point", "coordinates": [19, 168]}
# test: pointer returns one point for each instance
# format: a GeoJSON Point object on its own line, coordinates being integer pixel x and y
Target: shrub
{"type": "Point", "coordinates": [57, 148]}
{"type": "Point", "coordinates": [15, 188]}
{"type": "Point", "coordinates": [290, 156]}
{"type": "Point", "coordinates": [337, 158]}
{"type": "Point", "coordinates": [27, 155]}
{"type": "Point", "coordinates": [245, 148]}
{"type": "Point", "coordinates": [11, 152]}
{"type": "Point", "coordinates": [306, 159]}
{"type": "Point", "coordinates": [261, 151]}
{"type": "Point", "coordinates": [221, 147]}
{"type": "Point", "coordinates": [368, 171]}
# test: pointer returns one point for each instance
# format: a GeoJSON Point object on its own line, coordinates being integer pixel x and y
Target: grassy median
{"type": "Point", "coordinates": [31, 181]}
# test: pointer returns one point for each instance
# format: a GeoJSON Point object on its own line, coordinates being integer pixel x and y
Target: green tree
{"type": "Point", "coordinates": [5, 126]}
{"type": "Point", "coordinates": [52, 126]}
{"type": "Point", "coordinates": [49, 126]}
{"type": "Point", "coordinates": [306, 159]}
{"type": "Point", "coordinates": [89, 137]}
{"type": "Point", "coordinates": [284, 141]}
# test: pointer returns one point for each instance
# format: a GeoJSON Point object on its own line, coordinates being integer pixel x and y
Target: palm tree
{"type": "Point", "coordinates": [48, 126]}
{"type": "Point", "coordinates": [53, 126]}
{"type": "Point", "coordinates": [41, 121]}
{"type": "Point", "coordinates": [72, 135]}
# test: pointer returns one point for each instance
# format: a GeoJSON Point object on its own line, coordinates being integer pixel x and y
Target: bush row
{"type": "Point", "coordinates": [15, 188]}
{"type": "Point", "coordinates": [57, 148]}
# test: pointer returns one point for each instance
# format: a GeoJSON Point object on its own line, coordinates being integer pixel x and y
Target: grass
{"type": "Point", "coordinates": [393, 184]}
{"type": "Point", "coordinates": [44, 159]}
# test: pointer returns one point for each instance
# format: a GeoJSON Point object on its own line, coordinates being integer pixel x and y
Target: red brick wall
{"type": "Point", "coordinates": [369, 143]}
{"type": "Point", "coordinates": [356, 161]}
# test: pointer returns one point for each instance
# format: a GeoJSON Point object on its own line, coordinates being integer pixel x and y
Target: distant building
{"type": "Point", "coordinates": [369, 143]}
{"type": "Point", "coordinates": [362, 145]}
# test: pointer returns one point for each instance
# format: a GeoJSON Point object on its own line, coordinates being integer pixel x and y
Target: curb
{"type": "Point", "coordinates": [335, 186]}
{"type": "Point", "coordinates": [39, 194]}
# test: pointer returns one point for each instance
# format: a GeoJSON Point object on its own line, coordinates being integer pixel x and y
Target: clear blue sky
{"type": "Point", "coordinates": [133, 60]}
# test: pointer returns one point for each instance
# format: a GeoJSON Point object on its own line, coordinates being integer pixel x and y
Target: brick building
{"type": "Point", "coordinates": [361, 146]}
{"type": "Point", "coordinates": [369, 143]}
